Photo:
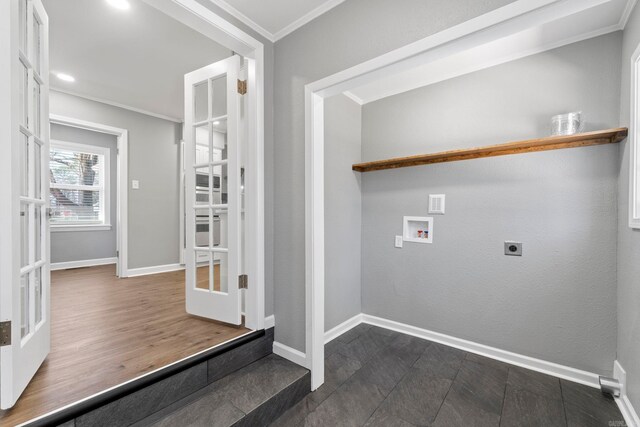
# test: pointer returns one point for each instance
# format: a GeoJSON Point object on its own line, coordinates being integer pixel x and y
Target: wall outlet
{"type": "Point", "coordinates": [513, 248]}
{"type": "Point", "coordinates": [135, 184]}
{"type": "Point", "coordinates": [398, 241]}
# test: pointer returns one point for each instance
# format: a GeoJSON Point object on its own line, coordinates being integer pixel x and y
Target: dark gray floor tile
{"type": "Point", "coordinates": [441, 361]}
{"type": "Point", "coordinates": [70, 423]}
{"type": "Point", "coordinates": [483, 384]}
{"type": "Point", "coordinates": [231, 361]}
{"type": "Point", "coordinates": [353, 333]}
{"type": "Point", "coordinates": [351, 405]}
{"type": "Point", "coordinates": [145, 402]}
{"type": "Point", "coordinates": [361, 348]}
{"type": "Point", "coordinates": [382, 337]}
{"type": "Point", "coordinates": [535, 382]}
{"type": "Point", "coordinates": [332, 347]}
{"type": "Point", "coordinates": [382, 419]}
{"type": "Point", "coordinates": [211, 410]}
{"type": "Point", "coordinates": [458, 410]}
{"type": "Point", "coordinates": [296, 415]}
{"type": "Point", "coordinates": [487, 361]}
{"type": "Point", "coordinates": [337, 369]}
{"type": "Point", "coordinates": [523, 408]}
{"type": "Point", "coordinates": [255, 384]}
{"type": "Point", "coordinates": [417, 398]}
{"type": "Point", "coordinates": [277, 404]}
{"type": "Point", "coordinates": [407, 348]}
{"type": "Point", "coordinates": [385, 370]}
{"type": "Point", "coordinates": [587, 406]}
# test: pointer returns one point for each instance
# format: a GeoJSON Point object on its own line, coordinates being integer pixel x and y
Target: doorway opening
{"type": "Point", "coordinates": [120, 167]}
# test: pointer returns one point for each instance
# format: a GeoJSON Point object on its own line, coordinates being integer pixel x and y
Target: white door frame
{"type": "Point", "coordinates": [122, 172]}
{"type": "Point", "coordinates": [502, 22]}
{"type": "Point", "coordinates": [205, 21]}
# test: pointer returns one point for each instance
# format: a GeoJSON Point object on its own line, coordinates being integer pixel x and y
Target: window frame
{"type": "Point", "coordinates": [104, 190]}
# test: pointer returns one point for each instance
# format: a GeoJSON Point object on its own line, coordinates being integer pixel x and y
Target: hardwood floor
{"type": "Point", "coordinates": [106, 331]}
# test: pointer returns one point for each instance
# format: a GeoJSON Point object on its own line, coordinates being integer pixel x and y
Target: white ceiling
{"type": "Point", "coordinates": [274, 19]}
{"type": "Point", "coordinates": [137, 57]}
{"type": "Point", "coordinates": [606, 17]}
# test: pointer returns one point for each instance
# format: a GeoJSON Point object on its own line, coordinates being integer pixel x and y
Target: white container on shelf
{"type": "Point", "coordinates": [567, 124]}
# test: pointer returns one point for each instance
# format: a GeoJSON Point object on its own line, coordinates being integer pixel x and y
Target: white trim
{"type": "Point", "coordinates": [62, 228]}
{"type": "Point", "coordinates": [499, 23]}
{"type": "Point", "coordinates": [626, 14]}
{"type": "Point", "coordinates": [269, 322]}
{"type": "Point", "coordinates": [244, 19]}
{"type": "Point", "coordinates": [624, 404]}
{"type": "Point", "coordinates": [634, 142]}
{"type": "Point", "coordinates": [306, 18]}
{"type": "Point", "coordinates": [122, 177]}
{"type": "Point", "coordinates": [117, 104]}
{"type": "Point", "coordinates": [352, 96]}
{"type": "Point", "coordinates": [291, 354]}
{"type": "Point", "coordinates": [343, 327]}
{"type": "Point", "coordinates": [560, 371]}
{"type": "Point", "coordinates": [83, 263]}
{"type": "Point", "coordinates": [144, 271]}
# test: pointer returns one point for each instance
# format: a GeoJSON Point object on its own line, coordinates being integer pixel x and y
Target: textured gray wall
{"type": "Point", "coordinates": [154, 161]}
{"type": "Point", "coordinates": [628, 239]}
{"type": "Point", "coordinates": [82, 245]}
{"type": "Point", "coordinates": [343, 216]}
{"type": "Point", "coordinates": [557, 302]}
{"type": "Point", "coordinates": [354, 31]}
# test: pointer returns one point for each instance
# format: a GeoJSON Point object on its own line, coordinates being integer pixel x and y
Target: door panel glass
{"type": "Point", "coordinates": [23, 95]}
{"type": "Point", "coordinates": [23, 25]}
{"type": "Point", "coordinates": [200, 108]}
{"type": "Point", "coordinates": [38, 293]}
{"type": "Point", "coordinates": [219, 97]}
{"type": "Point", "coordinates": [24, 234]}
{"type": "Point", "coordinates": [24, 305]}
{"type": "Point", "coordinates": [202, 269]}
{"type": "Point", "coordinates": [37, 159]}
{"type": "Point", "coordinates": [203, 224]}
{"type": "Point", "coordinates": [24, 165]}
{"type": "Point", "coordinates": [203, 136]}
{"type": "Point", "coordinates": [219, 276]}
{"type": "Point", "coordinates": [36, 43]}
{"type": "Point", "coordinates": [37, 125]}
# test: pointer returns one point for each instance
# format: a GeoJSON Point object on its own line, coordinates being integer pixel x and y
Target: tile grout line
{"type": "Point", "coordinates": [450, 386]}
{"type": "Point", "coordinates": [504, 395]}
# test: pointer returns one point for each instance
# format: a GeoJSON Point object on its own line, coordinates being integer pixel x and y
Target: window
{"type": "Point", "coordinates": [79, 186]}
{"type": "Point", "coordinates": [634, 143]}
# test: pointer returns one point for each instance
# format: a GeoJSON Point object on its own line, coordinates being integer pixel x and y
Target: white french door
{"type": "Point", "coordinates": [24, 166]}
{"type": "Point", "coordinates": [212, 183]}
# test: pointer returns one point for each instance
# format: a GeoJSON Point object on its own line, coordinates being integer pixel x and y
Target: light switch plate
{"type": "Point", "coordinates": [135, 184]}
{"type": "Point", "coordinates": [398, 241]}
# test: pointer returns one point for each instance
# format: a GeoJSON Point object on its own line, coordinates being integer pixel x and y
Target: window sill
{"type": "Point", "coordinates": [83, 227]}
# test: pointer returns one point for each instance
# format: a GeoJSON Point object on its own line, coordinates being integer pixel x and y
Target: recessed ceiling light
{"type": "Point", "coordinates": [216, 123]}
{"type": "Point", "coordinates": [65, 77]}
{"type": "Point", "coordinates": [119, 4]}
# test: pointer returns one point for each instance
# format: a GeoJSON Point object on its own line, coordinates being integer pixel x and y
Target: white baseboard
{"type": "Point", "coordinates": [269, 322]}
{"type": "Point", "coordinates": [291, 354]}
{"type": "Point", "coordinates": [143, 271]}
{"type": "Point", "coordinates": [343, 327]}
{"type": "Point", "coordinates": [549, 368]}
{"type": "Point", "coordinates": [83, 263]}
{"type": "Point", "coordinates": [624, 404]}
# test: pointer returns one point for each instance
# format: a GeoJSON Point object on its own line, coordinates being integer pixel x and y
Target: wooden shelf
{"type": "Point", "coordinates": [608, 136]}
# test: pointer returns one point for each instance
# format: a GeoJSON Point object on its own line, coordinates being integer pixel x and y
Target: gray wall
{"type": "Point", "coordinates": [343, 215]}
{"type": "Point", "coordinates": [558, 301]}
{"type": "Point", "coordinates": [82, 245]}
{"type": "Point", "coordinates": [354, 31]}
{"type": "Point", "coordinates": [154, 161]}
{"type": "Point", "coordinates": [628, 239]}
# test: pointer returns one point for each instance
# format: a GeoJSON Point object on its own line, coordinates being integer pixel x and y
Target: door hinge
{"type": "Point", "coordinates": [5, 333]}
{"type": "Point", "coordinates": [243, 281]}
{"type": "Point", "coordinates": [117, 254]}
{"type": "Point", "coordinates": [242, 87]}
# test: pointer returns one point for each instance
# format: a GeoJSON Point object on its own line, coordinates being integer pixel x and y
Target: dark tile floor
{"type": "Point", "coordinates": [377, 377]}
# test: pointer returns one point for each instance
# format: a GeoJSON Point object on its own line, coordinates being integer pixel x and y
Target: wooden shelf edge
{"type": "Point", "coordinates": [608, 136]}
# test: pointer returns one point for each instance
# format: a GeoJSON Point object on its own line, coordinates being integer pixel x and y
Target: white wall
{"type": "Point", "coordinates": [343, 214]}
{"type": "Point", "coordinates": [154, 161]}
{"type": "Point", "coordinates": [558, 301]}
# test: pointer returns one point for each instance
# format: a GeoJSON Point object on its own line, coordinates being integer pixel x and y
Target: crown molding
{"type": "Point", "coordinates": [627, 13]}
{"type": "Point", "coordinates": [244, 19]}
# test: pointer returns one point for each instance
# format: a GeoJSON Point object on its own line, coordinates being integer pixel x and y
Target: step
{"type": "Point", "coordinates": [256, 395]}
